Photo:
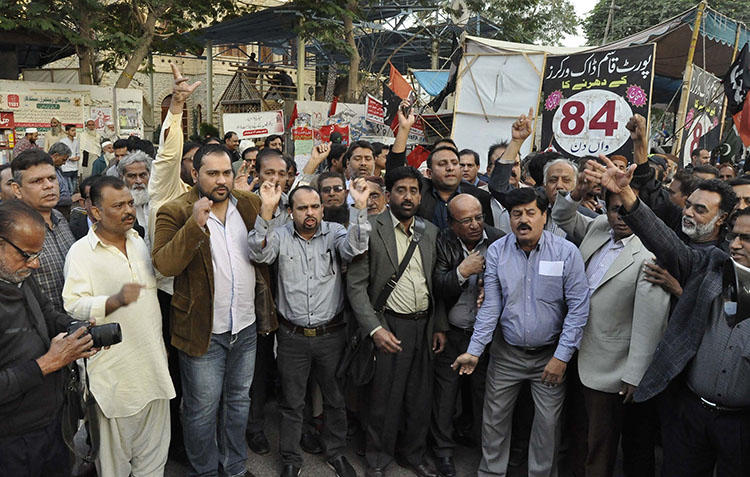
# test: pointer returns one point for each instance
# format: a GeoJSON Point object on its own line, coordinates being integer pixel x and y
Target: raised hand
{"type": "Point", "coordinates": [609, 176]}
{"type": "Point", "coordinates": [359, 192]}
{"type": "Point", "coordinates": [181, 90]}
{"type": "Point", "coordinates": [637, 127]}
{"type": "Point", "coordinates": [240, 180]}
{"type": "Point", "coordinates": [523, 126]}
{"type": "Point", "coordinates": [320, 152]}
{"type": "Point", "coordinates": [270, 196]}
{"type": "Point", "coordinates": [201, 210]}
{"type": "Point", "coordinates": [405, 121]}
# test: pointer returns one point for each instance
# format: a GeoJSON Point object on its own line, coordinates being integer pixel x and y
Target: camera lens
{"type": "Point", "coordinates": [106, 335]}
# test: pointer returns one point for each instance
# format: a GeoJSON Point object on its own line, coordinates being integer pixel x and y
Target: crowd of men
{"type": "Point", "coordinates": [551, 309]}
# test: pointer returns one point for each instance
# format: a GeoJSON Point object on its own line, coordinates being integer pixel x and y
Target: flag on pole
{"type": "Point", "coordinates": [334, 103]}
{"type": "Point", "coordinates": [456, 55]}
{"type": "Point", "coordinates": [398, 83]}
{"type": "Point", "coordinates": [736, 86]}
{"type": "Point", "coordinates": [293, 117]}
{"type": "Point", "coordinates": [391, 102]}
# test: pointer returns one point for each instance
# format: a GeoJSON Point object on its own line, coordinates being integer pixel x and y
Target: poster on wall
{"type": "Point", "coordinates": [100, 115]}
{"type": "Point", "coordinates": [128, 121]}
{"type": "Point", "coordinates": [703, 113]}
{"type": "Point", "coordinates": [35, 110]}
{"type": "Point", "coordinates": [254, 125]}
{"type": "Point", "coordinates": [587, 99]}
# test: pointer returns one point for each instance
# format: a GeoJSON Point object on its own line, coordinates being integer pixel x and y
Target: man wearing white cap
{"type": "Point", "coordinates": [109, 132]}
{"type": "Point", "coordinates": [54, 134]}
{"type": "Point", "coordinates": [103, 161]}
{"type": "Point", "coordinates": [28, 141]}
{"type": "Point", "coordinates": [90, 147]}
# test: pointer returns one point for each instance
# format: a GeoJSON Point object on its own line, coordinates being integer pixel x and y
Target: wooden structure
{"type": "Point", "coordinates": [257, 88]}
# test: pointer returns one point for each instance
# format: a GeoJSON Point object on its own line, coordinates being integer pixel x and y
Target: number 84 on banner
{"type": "Point", "coordinates": [592, 122]}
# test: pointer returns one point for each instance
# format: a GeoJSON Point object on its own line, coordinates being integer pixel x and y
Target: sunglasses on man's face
{"type": "Point", "coordinates": [328, 189]}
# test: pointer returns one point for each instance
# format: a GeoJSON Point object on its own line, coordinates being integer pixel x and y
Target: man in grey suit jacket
{"type": "Point", "coordinates": [627, 318]}
{"type": "Point", "coordinates": [701, 367]}
{"type": "Point", "coordinates": [405, 332]}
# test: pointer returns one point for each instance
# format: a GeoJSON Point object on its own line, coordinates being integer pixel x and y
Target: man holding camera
{"type": "Point", "coordinates": [33, 350]}
{"type": "Point", "coordinates": [109, 278]}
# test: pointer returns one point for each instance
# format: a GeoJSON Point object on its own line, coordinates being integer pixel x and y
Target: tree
{"type": "Point", "coordinates": [633, 16]}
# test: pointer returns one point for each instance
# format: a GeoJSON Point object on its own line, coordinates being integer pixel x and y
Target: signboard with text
{"type": "Point", "coordinates": [31, 109]}
{"type": "Point", "coordinates": [588, 98]}
{"type": "Point", "coordinates": [254, 125]}
{"type": "Point", "coordinates": [703, 113]}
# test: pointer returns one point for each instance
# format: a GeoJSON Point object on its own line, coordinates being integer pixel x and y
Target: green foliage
{"type": "Point", "coordinates": [208, 130]}
{"type": "Point", "coordinates": [528, 21]}
{"type": "Point", "coordinates": [633, 16]}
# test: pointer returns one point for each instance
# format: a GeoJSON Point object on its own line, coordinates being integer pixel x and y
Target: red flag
{"type": "Point", "coordinates": [292, 118]}
{"type": "Point", "coordinates": [398, 83]}
{"type": "Point", "coordinates": [742, 122]}
{"type": "Point", "coordinates": [417, 156]}
{"type": "Point", "coordinates": [334, 103]}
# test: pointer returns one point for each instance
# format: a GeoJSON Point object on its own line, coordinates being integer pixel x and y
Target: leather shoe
{"type": "Point", "coordinates": [342, 467]}
{"type": "Point", "coordinates": [258, 443]}
{"type": "Point", "coordinates": [423, 469]}
{"type": "Point", "coordinates": [290, 470]}
{"type": "Point", "coordinates": [310, 443]}
{"type": "Point", "coordinates": [373, 472]}
{"type": "Point", "coordinates": [445, 466]}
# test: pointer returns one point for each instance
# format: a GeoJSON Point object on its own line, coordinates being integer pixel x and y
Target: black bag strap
{"type": "Point", "coordinates": [419, 228]}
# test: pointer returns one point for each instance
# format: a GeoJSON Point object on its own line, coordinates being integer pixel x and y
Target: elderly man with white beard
{"type": "Point", "coordinates": [54, 134]}
{"type": "Point", "coordinates": [135, 170]}
{"type": "Point", "coordinates": [90, 147]}
{"type": "Point", "coordinates": [110, 132]}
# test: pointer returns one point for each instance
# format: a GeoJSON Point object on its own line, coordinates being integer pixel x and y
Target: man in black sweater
{"type": "Point", "coordinates": [34, 349]}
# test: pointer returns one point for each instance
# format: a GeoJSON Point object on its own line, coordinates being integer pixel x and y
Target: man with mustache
{"type": "Point", "coordinates": [404, 324]}
{"type": "Point", "coordinates": [33, 349]}
{"type": "Point", "coordinates": [135, 170]}
{"type": "Point", "coordinates": [359, 160]}
{"type": "Point", "coordinates": [536, 291]}
{"type": "Point", "coordinates": [35, 183]}
{"type": "Point", "coordinates": [445, 180]}
{"type": "Point", "coordinates": [28, 141]}
{"type": "Point", "coordinates": [54, 134]}
{"type": "Point", "coordinates": [312, 335]}
{"type": "Point", "coordinates": [700, 369]}
{"type": "Point", "coordinates": [109, 278]}
{"type": "Point", "coordinates": [221, 302]}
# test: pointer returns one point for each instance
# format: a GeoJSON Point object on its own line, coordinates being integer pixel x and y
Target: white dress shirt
{"type": "Point", "coordinates": [131, 374]}
{"type": "Point", "coordinates": [75, 151]}
{"type": "Point", "coordinates": [234, 274]}
{"type": "Point", "coordinates": [602, 259]}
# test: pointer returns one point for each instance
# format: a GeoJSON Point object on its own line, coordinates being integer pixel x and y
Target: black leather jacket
{"type": "Point", "coordinates": [450, 254]}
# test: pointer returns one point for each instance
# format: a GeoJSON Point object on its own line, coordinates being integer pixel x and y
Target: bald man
{"type": "Point", "coordinates": [460, 265]}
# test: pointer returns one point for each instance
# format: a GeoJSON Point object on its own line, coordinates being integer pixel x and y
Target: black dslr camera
{"type": "Point", "coordinates": [103, 335]}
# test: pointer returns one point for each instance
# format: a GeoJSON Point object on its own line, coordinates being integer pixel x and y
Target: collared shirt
{"type": "Point", "coordinates": [141, 215]}
{"type": "Point", "coordinates": [234, 274]}
{"type": "Point", "coordinates": [23, 144]}
{"type": "Point", "coordinates": [49, 275]}
{"type": "Point", "coordinates": [440, 214]}
{"type": "Point", "coordinates": [50, 139]}
{"type": "Point", "coordinates": [129, 375]}
{"type": "Point", "coordinates": [603, 258]}
{"type": "Point", "coordinates": [310, 284]}
{"type": "Point", "coordinates": [530, 295]}
{"type": "Point", "coordinates": [720, 371]}
{"type": "Point", "coordinates": [464, 312]}
{"type": "Point", "coordinates": [411, 294]}
{"type": "Point", "coordinates": [75, 151]}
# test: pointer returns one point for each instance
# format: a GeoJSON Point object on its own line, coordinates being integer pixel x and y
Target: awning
{"type": "Point", "coordinates": [432, 81]}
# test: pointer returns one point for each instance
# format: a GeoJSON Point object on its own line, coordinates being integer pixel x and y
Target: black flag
{"type": "Point", "coordinates": [737, 81]}
{"type": "Point", "coordinates": [391, 102]}
{"type": "Point", "coordinates": [456, 55]}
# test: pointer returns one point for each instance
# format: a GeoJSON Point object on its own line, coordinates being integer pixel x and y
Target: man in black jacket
{"type": "Point", "coordinates": [457, 274]}
{"type": "Point", "coordinates": [33, 350]}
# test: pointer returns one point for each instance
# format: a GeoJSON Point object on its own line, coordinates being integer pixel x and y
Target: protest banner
{"type": "Point", "coordinates": [703, 113]}
{"type": "Point", "coordinates": [589, 97]}
{"type": "Point", "coordinates": [254, 125]}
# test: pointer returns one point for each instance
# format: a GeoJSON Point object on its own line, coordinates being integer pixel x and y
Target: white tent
{"type": "Point", "coordinates": [497, 82]}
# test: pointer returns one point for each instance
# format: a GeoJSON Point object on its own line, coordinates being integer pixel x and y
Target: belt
{"type": "Point", "coordinates": [535, 350]}
{"type": "Point", "coordinates": [408, 316]}
{"type": "Point", "coordinates": [463, 331]}
{"type": "Point", "coordinates": [335, 324]}
{"type": "Point", "coordinates": [712, 406]}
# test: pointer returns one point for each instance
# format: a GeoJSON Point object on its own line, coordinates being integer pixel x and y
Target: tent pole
{"type": "Point", "coordinates": [435, 59]}
{"type": "Point", "coordinates": [210, 82]}
{"type": "Point", "coordinates": [300, 68]}
{"type": "Point", "coordinates": [724, 103]}
{"type": "Point", "coordinates": [687, 77]}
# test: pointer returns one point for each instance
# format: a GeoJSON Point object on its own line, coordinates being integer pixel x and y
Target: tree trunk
{"type": "Point", "coordinates": [84, 52]}
{"type": "Point", "coordinates": [140, 52]}
{"type": "Point", "coordinates": [352, 89]}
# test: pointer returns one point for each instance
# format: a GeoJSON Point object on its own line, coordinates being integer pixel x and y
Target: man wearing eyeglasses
{"type": "Point", "coordinates": [333, 194]}
{"type": "Point", "coordinates": [626, 320]}
{"type": "Point", "coordinates": [700, 370]}
{"type": "Point", "coordinates": [33, 348]}
{"type": "Point", "coordinates": [458, 281]}
{"type": "Point", "coordinates": [35, 183]}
